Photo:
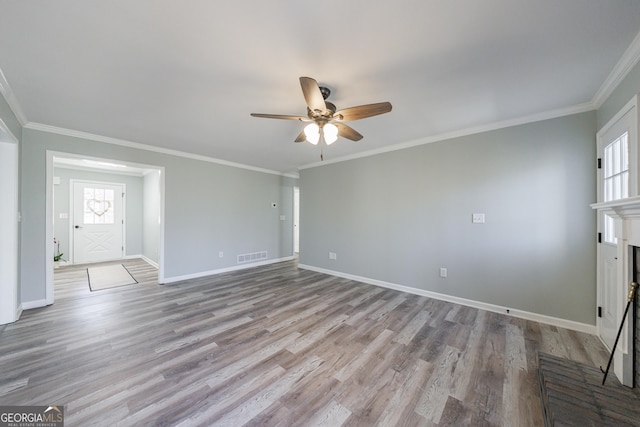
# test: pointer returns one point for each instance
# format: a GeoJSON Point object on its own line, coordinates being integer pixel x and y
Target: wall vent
{"type": "Point", "coordinates": [252, 257]}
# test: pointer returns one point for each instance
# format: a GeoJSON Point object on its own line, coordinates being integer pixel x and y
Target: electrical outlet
{"type": "Point", "coordinates": [443, 272]}
{"type": "Point", "coordinates": [220, 254]}
{"type": "Point", "coordinates": [333, 255]}
{"type": "Point", "coordinates": [477, 218]}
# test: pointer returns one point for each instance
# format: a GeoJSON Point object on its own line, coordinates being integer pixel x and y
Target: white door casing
{"type": "Point", "coordinates": [97, 226]}
{"type": "Point", "coordinates": [9, 305]}
{"type": "Point", "coordinates": [613, 259]}
{"type": "Point", "coordinates": [296, 219]}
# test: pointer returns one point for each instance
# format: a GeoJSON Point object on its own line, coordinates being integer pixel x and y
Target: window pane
{"type": "Point", "coordinates": [616, 157]}
{"type": "Point", "coordinates": [624, 191]}
{"type": "Point", "coordinates": [608, 161]}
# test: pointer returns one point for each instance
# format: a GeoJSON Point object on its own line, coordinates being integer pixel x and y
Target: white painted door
{"type": "Point", "coordinates": [613, 184]}
{"type": "Point", "coordinates": [97, 221]}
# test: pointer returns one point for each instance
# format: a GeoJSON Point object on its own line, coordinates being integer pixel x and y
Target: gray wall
{"type": "Point", "coordinates": [151, 216]}
{"type": "Point", "coordinates": [400, 216]}
{"type": "Point", "coordinates": [133, 210]}
{"type": "Point", "coordinates": [208, 208]}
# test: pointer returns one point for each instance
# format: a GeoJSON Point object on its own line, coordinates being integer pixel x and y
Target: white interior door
{"type": "Point", "coordinates": [98, 224]}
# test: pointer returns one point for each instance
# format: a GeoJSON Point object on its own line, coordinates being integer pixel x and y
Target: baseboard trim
{"type": "Point", "coordinates": [174, 279]}
{"type": "Point", "coordinates": [28, 305]}
{"type": "Point", "coordinates": [527, 315]}
{"type": "Point", "coordinates": [150, 261]}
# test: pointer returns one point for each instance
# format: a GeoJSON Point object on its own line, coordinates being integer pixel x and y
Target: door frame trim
{"type": "Point", "coordinates": [10, 307]}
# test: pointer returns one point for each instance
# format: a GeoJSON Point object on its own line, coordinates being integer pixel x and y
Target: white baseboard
{"type": "Point", "coordinates": [540, 318]}
{"type": "Point", "coordinates": [150, 261]}
{"type": "Point", "coordinates": [174, 279]}
{"type": "Point", "coordinates": [28, 305]}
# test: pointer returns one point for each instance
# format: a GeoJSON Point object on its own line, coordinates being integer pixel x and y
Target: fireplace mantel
{"type": "Point", "coordinates": [626, 215]}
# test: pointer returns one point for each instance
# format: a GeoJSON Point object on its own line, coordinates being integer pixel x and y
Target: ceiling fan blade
{"type": "Point", "coordinates": [279, 116]}
{"type": "Point", "coordinates": [301, 137]}
{"type": "Point", "coordinates": [312, 94]}
{"type": "Point", "coordinates": [363, 111]}
{"type": "Point", "coordinates": [348, 132]}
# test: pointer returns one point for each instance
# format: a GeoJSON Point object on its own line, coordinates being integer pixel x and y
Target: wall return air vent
{"type": "Point", "coordinates": [252, 257]}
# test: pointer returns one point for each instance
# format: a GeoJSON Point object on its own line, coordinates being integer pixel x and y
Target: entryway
{"type": "Point", "coordinates": [102, 210]}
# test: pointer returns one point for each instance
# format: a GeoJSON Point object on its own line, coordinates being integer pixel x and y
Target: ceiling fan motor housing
{"type": "Point", "coordinates": [325, 91]}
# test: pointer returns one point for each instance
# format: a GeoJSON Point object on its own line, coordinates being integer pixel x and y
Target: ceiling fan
{"type": "Point", "coordinates": [326, 122]}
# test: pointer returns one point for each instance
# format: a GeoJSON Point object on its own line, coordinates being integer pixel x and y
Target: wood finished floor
{"type": "Point", "coordinates": [275, 345]}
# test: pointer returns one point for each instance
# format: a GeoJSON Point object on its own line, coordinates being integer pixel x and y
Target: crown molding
{"type": "Point", "coordinates": [547, 115]}
{"type": "Point", "coordinates": [629, 59]}
{"type": "Point", "coordinates": [8, 95]}
{"type": "Point", "coordinates": [129, 144]}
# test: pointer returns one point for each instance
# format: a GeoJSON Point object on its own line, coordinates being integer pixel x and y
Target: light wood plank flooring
{"type": "Point", "coordinates": [275, 345]}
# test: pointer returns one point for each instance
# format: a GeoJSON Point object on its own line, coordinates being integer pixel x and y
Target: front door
{"type": "Point", "coordinates": [97, 221]}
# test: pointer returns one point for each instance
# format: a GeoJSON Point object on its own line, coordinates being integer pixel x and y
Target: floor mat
{"type": "Point", "coordinates": [109, 276]}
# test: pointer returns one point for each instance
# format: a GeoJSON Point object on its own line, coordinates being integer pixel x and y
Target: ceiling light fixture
{"type": "Point", "coordinates": [330, 132]}
{"type": "Point", "coordinates": [312, 132]}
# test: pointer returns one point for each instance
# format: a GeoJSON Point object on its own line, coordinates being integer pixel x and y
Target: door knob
{"type": "Point", "coordinates": [77, 226]}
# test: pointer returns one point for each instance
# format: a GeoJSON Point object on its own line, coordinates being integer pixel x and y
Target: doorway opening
{"type": "Point", "coordinates": [101, 186]}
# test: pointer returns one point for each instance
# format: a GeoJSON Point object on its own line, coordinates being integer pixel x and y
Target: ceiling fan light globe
{"type": "Point", "coordinates": [330, 132]}
{"type": "Point", "coordinates": [312, 132]}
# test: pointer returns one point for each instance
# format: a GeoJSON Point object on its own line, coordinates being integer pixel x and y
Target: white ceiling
{"type": "Point", "coordinates": [185, 75]}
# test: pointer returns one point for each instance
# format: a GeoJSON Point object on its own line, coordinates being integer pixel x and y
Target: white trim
{"type": "Point", "coordinates": [576, 109]}
{"type": "Point", "coordinates": [34, 304]}
{"type": "Point", "coordinates": [48, 247]}
{"type": "Point", "coordinates": [148, 261]}
{"type": "Point", "coordinates": [224, 270]}
{"type": "Point", "coordinates": [9, 215]}
{"type": "Point", "coordinates": [129, 144]}
{"type": "Point", "coordinates": [7, 93]}
{"type": "Point", "coordinates": [540, 318]}
{"type": "Point", "coordinates": [627, 61]}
